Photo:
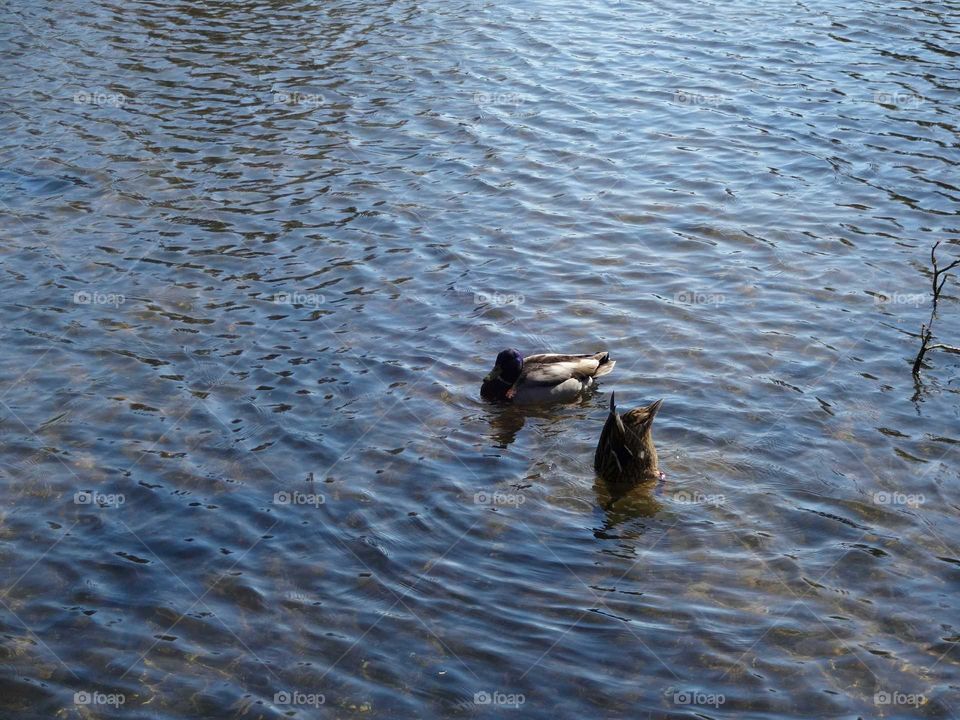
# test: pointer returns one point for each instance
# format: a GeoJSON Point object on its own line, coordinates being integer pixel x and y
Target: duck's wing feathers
{"type": "Point", "coordinates": [612, 453]}
{"type": "Point", "coordinates": [553, 369]}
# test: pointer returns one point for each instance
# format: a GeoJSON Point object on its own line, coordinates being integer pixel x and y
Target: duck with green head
{"type": "Point", "coordinates": [546, 377]}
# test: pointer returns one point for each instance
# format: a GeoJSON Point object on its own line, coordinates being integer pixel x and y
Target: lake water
{"type": "Point", "coordinates": [256, 258]}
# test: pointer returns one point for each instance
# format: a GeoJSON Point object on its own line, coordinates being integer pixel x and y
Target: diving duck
{"type": "Point", "coordinates": [625, 453]}
{"type": "Point", "coordinates": [543, 378]}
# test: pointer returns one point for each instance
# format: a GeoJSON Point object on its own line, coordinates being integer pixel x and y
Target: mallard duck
{"type": "Point", "coordinates": [625, 453]}
{"type": "Point", "coordinates": [543, 378]}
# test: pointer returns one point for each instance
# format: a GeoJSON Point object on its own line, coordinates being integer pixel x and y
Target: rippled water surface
{"type": "Point", "coordinates": [256, 257]}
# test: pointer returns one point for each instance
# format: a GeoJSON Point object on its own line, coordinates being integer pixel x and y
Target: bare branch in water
{"type": "Point", "coordinates": [925, 336]}
{"type": "Point", "coordinates": [937, 272]}
{"type": "Point", "coordinates": [938, 280]}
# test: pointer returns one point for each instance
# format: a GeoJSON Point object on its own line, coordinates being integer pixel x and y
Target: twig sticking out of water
{"type": "Point", "coordinates": [926, 330]}
{"type": "Point", "coordinates": [926, 335]}
{"type": "Point", "coordinates": [937, 272]}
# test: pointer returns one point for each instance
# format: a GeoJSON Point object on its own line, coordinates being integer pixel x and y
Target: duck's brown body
{"type": "Point", "coordinates": [625, 454]}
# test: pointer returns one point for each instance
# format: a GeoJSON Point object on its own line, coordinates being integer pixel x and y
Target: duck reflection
{"type": "Point", "coordinates": [623, 503]}
{"type": "Point", "coordinates": [507, 420]}
{"type": "Point", "coordinates": [505, 423]}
